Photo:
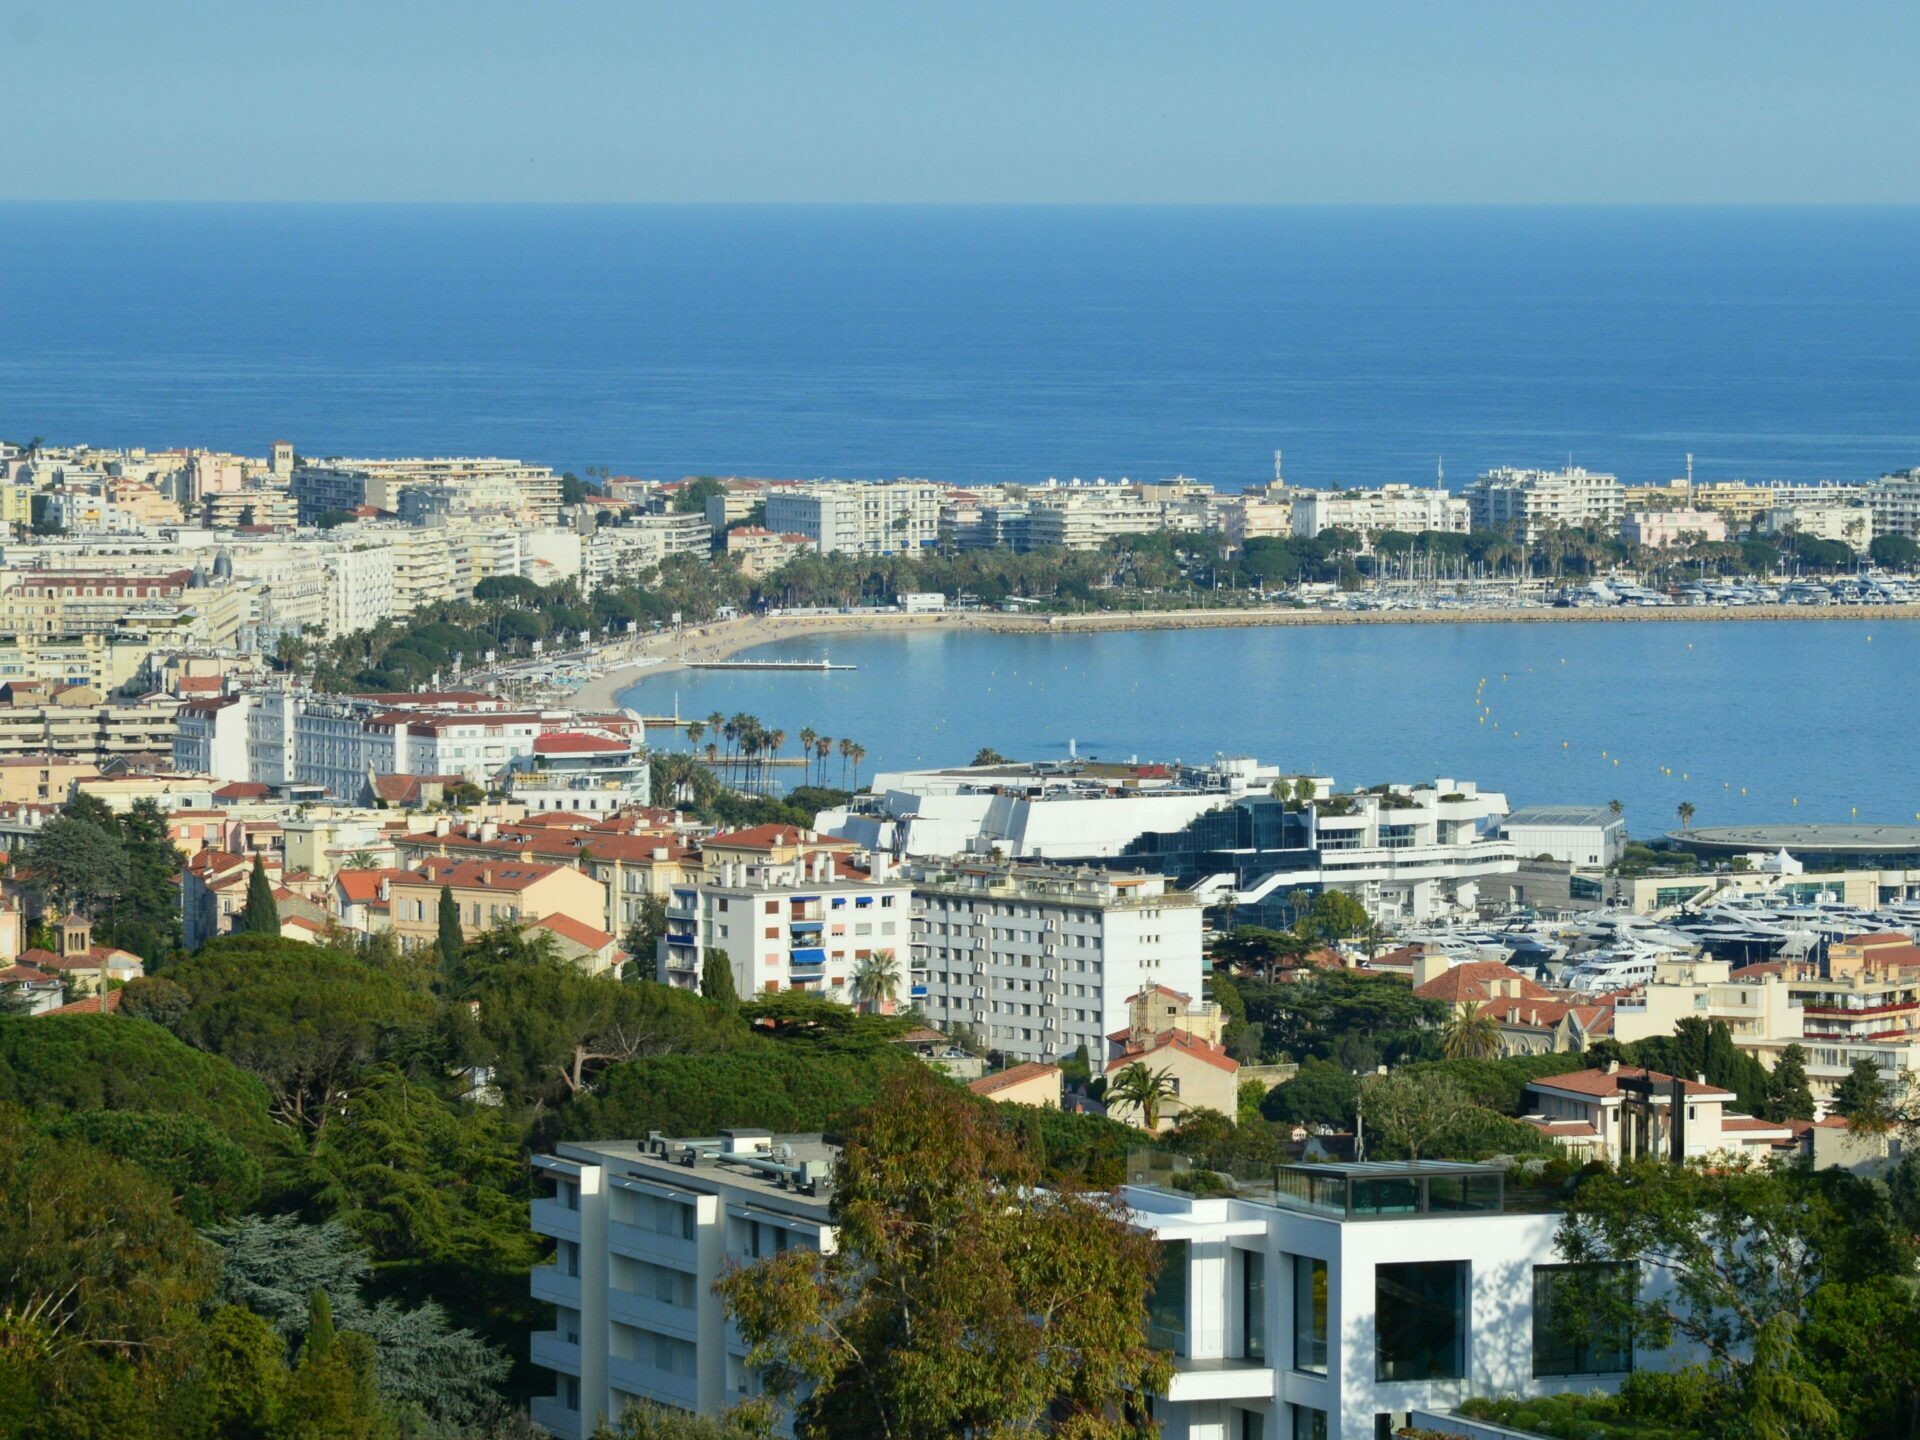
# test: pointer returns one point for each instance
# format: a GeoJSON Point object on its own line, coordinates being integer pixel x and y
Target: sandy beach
{"type": "Point", "coordinates": [725, 638]}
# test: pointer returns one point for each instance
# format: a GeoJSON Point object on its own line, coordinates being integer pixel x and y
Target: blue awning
{"type": "Point", "coordinates": [809, 957]}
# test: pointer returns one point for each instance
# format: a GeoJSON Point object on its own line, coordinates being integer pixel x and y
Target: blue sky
{"type": "Point", "coordinates": [711, 100]}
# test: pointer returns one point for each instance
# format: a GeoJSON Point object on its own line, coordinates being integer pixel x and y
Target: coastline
{"type": "Point", "coordinates": [722, 639]}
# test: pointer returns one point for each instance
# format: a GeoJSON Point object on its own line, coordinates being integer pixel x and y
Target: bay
{"type": "Point", "coordinates": [1812, 720]}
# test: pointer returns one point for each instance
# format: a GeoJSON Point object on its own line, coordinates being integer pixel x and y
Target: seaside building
{"type": "Point", "coordinates": [1849, 525]}
{"type": "Point", "coordinates": [1041, 959]}
{"type": "Point", "coordinates": [1085, 517]}
{"type": "Point", "coordinates": [891, 517]}
{"type": "Point", "coordinates": [790, 912]}
{"type": "Point", "coordinates": [759, 551]}
{"type": "Point", "coordinates": [1532, 502]}
{"type": "Point", "coordinates": [1392, 507]}
{"type": "Point", "coordinates": [490, 893]}
{"type": "Point", "coordinates": [1894, 500]}
{"type": "Point", "coordinates": [343, 486]}
{"type": "Point", "coordinates": [580, 772]}
{"type": "Point", "coordinates": [1663, 529]}
{"type": "Point", "coordinates": [1587, 836]}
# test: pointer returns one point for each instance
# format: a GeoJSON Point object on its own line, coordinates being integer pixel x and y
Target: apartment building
{"type": "Point", "coordinates": [615, 554]}
{"type": "Point", "coordinates": [759, 551]}
{"type": "Point", "coordinates": [489, 893]}
{"type": "Point", "coordinates": [105, 660]}
{"type": "Point", "coordinates": [1251, 517]}
{"type": "Point", "coordinates": [77, 721]}
{"type": "Point", "coordinates": [892, 517]}
{"type": "Point", "coordinates": [801, 923]}
{"type": "Point", "coordinates": [259, 505]}
{"type": "Point", "coordinates": [580, 773]}
{"type": "Point", "coordinates": [1622, 1113]}
{"type": "Point", "coordinates": [640, 1233]}
{"type": "Point", "coordinates": [1532, 502]}
{"type": "Point", "coordinates": [1344, 1301]}
{"type": "Point", "coordinates": [1085, 517]}
{"type": "Point", "coordinates": [1664, 529]}
{"type": "Point", "coordinates": [1849, 525]}
{"type": "Point", "coordinates": [345, 485]}
{"type": "Point", "coordinates": [1894, 500]}
{"type": "Point", "coordinates": [1041, 959]}
{"type": "Point", "coordinates": [1407, 508]}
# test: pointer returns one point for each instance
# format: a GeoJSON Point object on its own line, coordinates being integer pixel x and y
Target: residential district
{"type": "Point", "coordinates": [394, 1046]}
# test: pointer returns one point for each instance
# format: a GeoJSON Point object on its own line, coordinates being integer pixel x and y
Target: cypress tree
{"type": "Point", "coordinates": [1789, 1096]}
{"type": "Point", "coordinates": [716, 981]}
{"type": "Point", "coordinates": [452, 942]}
{"type": "Point", "coordinates": [262, 913]}
{"type": "Point", "coordinates": [319, 1327]}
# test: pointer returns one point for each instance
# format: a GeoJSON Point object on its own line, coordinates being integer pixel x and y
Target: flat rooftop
{"type": "Point", "coordinates": [1559, 815]}
{"type": "Point", "coordinates": [746, 1174]}
{"type": "Point", "coordinates": [1827, 839]}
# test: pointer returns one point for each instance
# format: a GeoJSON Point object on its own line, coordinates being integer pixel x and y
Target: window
{"type": "Point", "coordinates": [1310, 1315]}
{"type": "Point", "coordinates": [1579, 1319]}
{"type": "Point", "coordinates": [1253, 1304]}
{"type": "Point", "coordinates": [1167, 1306]}
{"type": "Point", "coordinates": [1309, 1423]}
{"type": "Point", "coordinates": [1420, 1321]}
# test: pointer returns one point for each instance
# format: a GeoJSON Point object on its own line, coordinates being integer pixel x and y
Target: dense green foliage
{"type": "Point", "coordinates": [117, 870]}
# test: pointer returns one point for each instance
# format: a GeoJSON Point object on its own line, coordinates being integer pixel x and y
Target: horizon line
{"type": "Point", "coordinates": [686, 204]}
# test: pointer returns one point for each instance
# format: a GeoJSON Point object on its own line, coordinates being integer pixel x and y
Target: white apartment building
{"type": "Point", "coordinates": [804, 924]}
{"type": "Point", "coordinates": [1251, 517]}
{"type": "Point", "coordinates": [1406, 508]}
{"type": "Point", "coordinates": [1895, 502]}
{"type": "Point", "coordinates": [362, 588]}
{"type": "Point", "coordinates": [893, 517]}
{"type": "Point", "coordinates": [640, 1233]}
{"type": "Point", "coordinates": [581, 774]}
{"type": "Point", "coordinates": [321, 486]}
{"type": "Point", "coordinates": [1339, 1302]}
{"type": "Point", "coordinates": [1085, 517]}
{"type": "Point", "coordinates": [1040, 960]}
{"type": "Point", "coordinates": [614, 554]}
{"type": "Point", "coordinates": [1327, 1302]}
{"type": "Point", "coordinates": [211, 736]}
{"type": "Point", "coordinates": [1849, 525]}
{"type": "Point", "coordinates": [1533, 502]}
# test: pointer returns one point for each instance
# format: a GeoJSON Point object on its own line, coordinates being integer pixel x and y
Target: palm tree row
{"type": "Point", "coordinates": [740, 747]}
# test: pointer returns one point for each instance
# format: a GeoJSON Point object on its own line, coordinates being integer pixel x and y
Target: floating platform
{"type": "Point", "coordinates": [798, 665]}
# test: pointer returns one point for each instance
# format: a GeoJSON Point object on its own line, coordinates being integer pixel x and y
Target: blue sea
{"type": "Point", "coordinates": [982, 344]}
{"type": "Point", "coordinates": [1748, 721]}
{"type": "Point", "coordinates": [978, 344]}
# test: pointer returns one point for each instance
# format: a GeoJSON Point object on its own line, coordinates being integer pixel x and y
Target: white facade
{"type": "Point", "coordinates": [1085, 517]}
{"type": "Point", "coordinates": [211, 738]}
{"type": "Point", "coordinates": [1591, 836]}
{"type": "Point", "coordinates": [897, 517]}
{"type": "Point", "coordinates": [1289, 1316]}
{"type": "Point", "coordinates": [790, 925]}
{"type": "Point", "coordinates": [1045, 811]}
{"type": "Point", "coordinates": [639, 1239]}
{"type": "Point", "coordinates": [1039, 960]}
{"type": "Point", "coordinates": [1849, 525]}
{"type": "Point", "coordinates": [1533, 502]}
{"type": "Point", "coordinates": [1895, 502]}
{"type": "Point", "coordinates": [1391, 507]}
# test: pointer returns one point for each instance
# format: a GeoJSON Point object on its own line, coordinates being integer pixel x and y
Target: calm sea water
{"type": "Point", "coordinates": [1818, 712]}
{"type": "Point", "coordinates": [978, 344]}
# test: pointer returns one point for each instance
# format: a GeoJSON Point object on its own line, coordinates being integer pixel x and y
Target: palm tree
{"type": "Point", "coordinates": [1471, 1033]}
{"type": "Point", "coordinates": [846, 753]}
{"type": "Point", "coordinates": [1617, 808]}
{"type": "Point", "coordinates": [1145, 1089]}
{"type": "Point", "coordinates": [695, 729]}
{"type": "Point", "coordinates": [1685, 812]}
{"type": "Point", "coordinates": [823, 747]}
{"type": "Point", "coordinates": [775, 739]}
{"type": "Point", "coordinates": [807, 736]}
{"type": "Point", "coordinates": [859, 753]}
{"type": "Point", "coordinates": [876, 983]}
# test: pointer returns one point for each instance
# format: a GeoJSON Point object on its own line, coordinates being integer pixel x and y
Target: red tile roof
{"type": "Point", "coordinates": [92, 1005]}
{"type": "Point", "coordinates": [480, 874]}
{"type": "Point", "coordinates": [1605, 1085]}
{"type": "Point", "coordinates": [242, 790]}
{"type": "Point", "coordinates": [571, 929]}
{"type": "Point", "coordinates": [1176, 1040]}
{"type": "Point", "coordinates": [362, 887]}
{"type": "Point", "coordinates": [568, 742]}
{"type": "Point", "coordinates": [1480, 980]}
{"type": "Point", "coordinates": [1017, 1075]}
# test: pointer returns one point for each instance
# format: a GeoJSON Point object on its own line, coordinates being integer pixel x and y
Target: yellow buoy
{"type": "Point", "coordinates": [1616, 762]}
{"type": "Point", "coordinates": [1683, 774]}
{"type": "Point", "coordinates": [1743, 789]}
{"type": "Point", "coordinates": [1563, 744]}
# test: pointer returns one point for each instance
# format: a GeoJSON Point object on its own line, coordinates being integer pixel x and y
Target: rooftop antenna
{"type": "Point", "coordinates": [1440, 472]}
{"type": "Point", "coordinates": [1276, 469]}
{"type": "Point", "coordinates": [1689, 469]}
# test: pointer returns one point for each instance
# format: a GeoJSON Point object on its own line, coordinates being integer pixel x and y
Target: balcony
{"type": "Point", "coordinates": [645, 1313]}
{"type": "Point", "coordinates": [548, 1284]}
{"type": "Point", "coordinates": [652, 1383]}
{"type": "Point", "coordinates": [808, 956]}
{"type": "Point", "coordinates": [550, 1217]}
{"type": "Point", "coordinates": [553, 1351]}
{"type": "Point", "coordinates": [652, 1246]}
{"type": "Point", "coordinates": [1220, 1380]}
{"type": "Point", "coordinates": [550, 1414]}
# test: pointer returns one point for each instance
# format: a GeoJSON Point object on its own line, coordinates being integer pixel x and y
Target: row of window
{"type": "Point", "coordinates": [1422, 1313]}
